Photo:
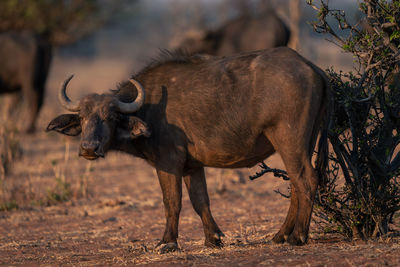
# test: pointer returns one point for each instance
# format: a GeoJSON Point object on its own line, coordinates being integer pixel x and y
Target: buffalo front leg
{"type": "Point", "coordinates": [197, 189]}
{"type": "Point", "coordinates": [171, 186]}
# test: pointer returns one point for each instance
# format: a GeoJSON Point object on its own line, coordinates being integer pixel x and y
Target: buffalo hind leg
{"type": "Point", "coordinates": [197, 189]}
{"type": "Point", "coordinates": [287, 227]}
{"type": "Point", "coordinates": [171, 186]}
{"type": "Point", "coordinates": [305, 182]}
{"type": "Point", "coordinates": [34, 98]}
{"type": "Point", "coordinates": [11, 104]}
{"type": "Point", "coordinates": [294, 150]}
{"type": "Point", "coordinates": [306, 185]}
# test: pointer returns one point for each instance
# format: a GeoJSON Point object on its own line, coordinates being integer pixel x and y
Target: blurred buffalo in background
{"type": "Point", "coordinates": [243, 34]}
{"type": "Point", "coordinates": [25, 62]}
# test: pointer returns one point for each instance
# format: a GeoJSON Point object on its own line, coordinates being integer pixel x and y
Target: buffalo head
{"type": "Point", "coordinates": [99, 118]}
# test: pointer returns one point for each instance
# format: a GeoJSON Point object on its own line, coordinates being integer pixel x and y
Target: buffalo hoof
{"type": "Point", "coordinates": [167, 248]}
{"type": "Point", "coordinates": [215, 241]}
{"type": "Point", "coordinates": [279, 238]}
{"type": "Point", "coordinates": [297, 240]}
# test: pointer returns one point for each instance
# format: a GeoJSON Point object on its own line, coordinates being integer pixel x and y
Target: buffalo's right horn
{"type": "Point", "coordinates": [64, 99]}
{"type": "Point", "coordinates": [135, 105]}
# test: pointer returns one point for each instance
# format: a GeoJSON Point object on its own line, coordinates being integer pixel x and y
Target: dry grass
{"type": "Point", "coordinates": [48, 181]}
{"type": "Point", "coordinates": [10, 151]}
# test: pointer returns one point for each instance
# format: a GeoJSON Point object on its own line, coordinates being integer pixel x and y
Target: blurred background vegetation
{"type": "Point", "coordinates": [61, 22]}
{"type": "Point", "coordinates": [111, 39]}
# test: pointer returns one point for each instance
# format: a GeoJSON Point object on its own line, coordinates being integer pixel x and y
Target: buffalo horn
{"type": "Point", "coordinates": [135, 105]}
{"type": "Point", "coordinates": [64, 99]}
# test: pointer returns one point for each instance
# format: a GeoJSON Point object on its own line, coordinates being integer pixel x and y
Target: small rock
{"type": "Point", "coordinates": [111, 219]}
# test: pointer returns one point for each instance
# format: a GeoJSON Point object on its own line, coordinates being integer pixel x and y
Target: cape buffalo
{"type": "Point", "coordinates": [246, 33]}
{"type": "Point", "coordinates": [25, 62]}
{"type": "Point", "coordinates": [184, 113]}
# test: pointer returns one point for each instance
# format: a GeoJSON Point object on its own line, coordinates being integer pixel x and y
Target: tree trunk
{"type": "Point", "coordinates": [295, 15]}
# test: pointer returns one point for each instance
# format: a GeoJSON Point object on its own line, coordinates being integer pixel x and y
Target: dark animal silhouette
{"type": "Point", "coordinates": [244, 34]}
{"type": "Point", "coordinates": [227, 112]}
{"type": "Point", "coordinates": [25, 62]}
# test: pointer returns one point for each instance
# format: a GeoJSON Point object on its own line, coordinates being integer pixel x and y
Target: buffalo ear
{"type": "Point", "coordinates": [68, 124]}
{"type": "Point", "coordinates": [138, 127]}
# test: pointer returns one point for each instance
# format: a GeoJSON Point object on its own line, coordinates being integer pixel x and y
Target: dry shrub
{"type": "Point", "coordinates": [362, 189]}
{"type": "Point", "coordinates": [10, 150]}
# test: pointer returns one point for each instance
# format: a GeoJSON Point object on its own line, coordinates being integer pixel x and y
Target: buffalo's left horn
{"type": "Point", "coordinates": [135, 105]}
{"type": "Point", "coordinates": [64, 99]}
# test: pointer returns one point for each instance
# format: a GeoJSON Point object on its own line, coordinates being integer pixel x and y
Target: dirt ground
{"type": "Point", "coordinates": [115, 217]}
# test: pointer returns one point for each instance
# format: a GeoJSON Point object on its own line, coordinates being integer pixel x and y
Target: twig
{"type": "Point", "coordinates": [282, 194]}
{"type": "Point", "coordinates": [277, 172]}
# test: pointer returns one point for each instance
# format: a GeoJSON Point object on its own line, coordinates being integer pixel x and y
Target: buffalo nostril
{"type": "Point", "coordinates": [90, 148]}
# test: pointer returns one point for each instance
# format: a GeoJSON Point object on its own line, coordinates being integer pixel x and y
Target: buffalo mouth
{"type": "Point", "coordinates": [90, 156]}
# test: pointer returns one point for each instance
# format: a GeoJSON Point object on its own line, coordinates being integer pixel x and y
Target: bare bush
{"type": "Point", "coordinates": [361, 191]}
